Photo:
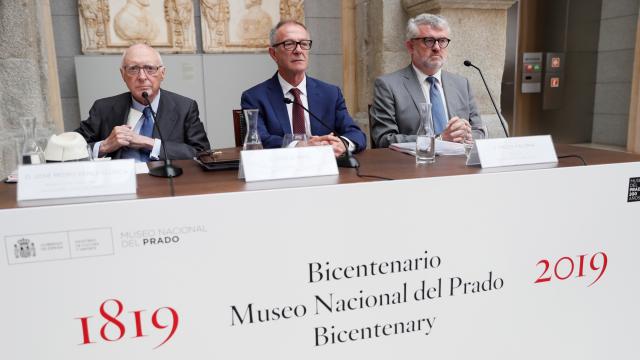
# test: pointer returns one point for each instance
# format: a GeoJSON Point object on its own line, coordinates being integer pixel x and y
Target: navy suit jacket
{"type": "Point", "coordinates": [325, 101]}
{"type": "Point", "coordinates": [177, 116]}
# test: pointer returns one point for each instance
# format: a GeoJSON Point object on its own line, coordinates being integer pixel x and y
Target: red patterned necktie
{"type": "Point", "coordinates": [297, 113]}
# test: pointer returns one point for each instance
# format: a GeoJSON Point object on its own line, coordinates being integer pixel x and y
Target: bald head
{"type": "Point", "coordinates": [135, 48]}
{"type": "Point", "coordinates": [142, 71]}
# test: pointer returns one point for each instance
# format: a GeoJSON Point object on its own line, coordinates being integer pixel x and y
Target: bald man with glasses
{"type": "Point", "coordinates": [122, 126]}
{"type": "Point", "coordinates": [394, 112]}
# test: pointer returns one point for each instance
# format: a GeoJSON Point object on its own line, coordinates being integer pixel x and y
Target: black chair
{"type": "Point", "coordinates": [239, 127]}
{"type": "Point", "coordinates": [373, 144]}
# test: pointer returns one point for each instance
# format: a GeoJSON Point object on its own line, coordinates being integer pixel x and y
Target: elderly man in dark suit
{"type": "Point", "coordinates": [394, 112]}
{"type": "Point", "coordinates": [121, 126]}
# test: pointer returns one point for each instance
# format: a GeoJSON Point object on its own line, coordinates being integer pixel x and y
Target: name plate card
{"type": "Point", "coordinates": [76, 180]}
{"type": "Point", "coordinates": [523, 150]}
{"type": "Point", "coordinates": [287, 163]}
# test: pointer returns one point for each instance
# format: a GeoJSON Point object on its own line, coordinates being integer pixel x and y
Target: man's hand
{"type": "Point", "coordinates": [119, 137]}
{"type": "Point", "coordinates": [457, 130]}
{"type": "Point", "coordinates": [335, 142]}
{"type": "Point", "coordinates": [141, 142]}
{"type": "Point", "coordinates": [124, 136]}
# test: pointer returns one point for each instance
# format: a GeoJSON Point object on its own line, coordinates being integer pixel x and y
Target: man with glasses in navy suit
{"type": "Point", "coordinates": [289, 48]}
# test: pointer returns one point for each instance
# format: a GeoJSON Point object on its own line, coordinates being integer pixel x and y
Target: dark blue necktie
{"type": "Point", "coordinates": [146, 130]}
{"type": "Point", "coordinates": [437, 107]}
{"type": "Point", "coordinates": [147, 126]}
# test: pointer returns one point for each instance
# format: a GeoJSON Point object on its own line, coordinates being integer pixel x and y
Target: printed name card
{"type": "Point", "coordinates": [523, 150]}
{"type": "Point", "coordinates": [76, 180]}
{"type": "Point", "coordinates": [287, 163]}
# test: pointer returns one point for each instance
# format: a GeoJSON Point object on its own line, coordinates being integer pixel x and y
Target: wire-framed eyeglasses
{"type": "Point", "coordinates": [133, 70]}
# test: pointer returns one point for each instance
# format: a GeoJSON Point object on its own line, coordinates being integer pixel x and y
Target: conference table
{"type": "Point", "coordinates": [445, 261]}
{"type": "Point", "coordinates": [384, 163]}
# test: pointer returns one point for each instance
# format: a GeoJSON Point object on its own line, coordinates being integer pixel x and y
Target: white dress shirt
{"type": "Point", "coordinates": [424, 85]}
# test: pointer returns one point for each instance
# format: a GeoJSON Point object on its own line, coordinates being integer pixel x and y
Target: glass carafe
{"type": "Point", "coordinates": [425, 139]}
{"type": "Point", "coordinates": [30, 151]}
{"type": "Point", "coordinates": [252, 139]}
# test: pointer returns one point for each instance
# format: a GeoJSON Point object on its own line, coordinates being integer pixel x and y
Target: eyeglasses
{"type": "Point", "coordinates": [291, 45]}
{"type": "Point", "coordinates": [430, 42]}
{"type": "Point", "coordinates": [133, 70]}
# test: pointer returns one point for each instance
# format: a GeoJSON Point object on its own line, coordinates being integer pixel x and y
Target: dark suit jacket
{"type": "Point", "coordinates": [325, 101]}
{"type": "Point", "coordinates": [394, 112]}
{"type": "Point", "coordinates": [177, 117]}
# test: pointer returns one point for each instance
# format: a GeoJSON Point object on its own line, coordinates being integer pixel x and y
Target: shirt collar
{"type": "Point", "coordinates": [140, 107]}
{"type": "Point", "coordinates": [286, 87]}
{"type": "Point", "coordinates": [422, 76]}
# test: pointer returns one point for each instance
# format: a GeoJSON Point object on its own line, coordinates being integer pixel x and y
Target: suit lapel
{"type": "Point", "coordinates": [413, 87]}
{"type": "Point", "coordinates": [314, 99]}
{"type": "Point", "coordinates": [450, 94]}
{"type": "Point", "coordinates": [165, 118]}
{"type": "Point", "coordinates": [279, 107]}
{"type": "Point", "coordinates": [121, 110]}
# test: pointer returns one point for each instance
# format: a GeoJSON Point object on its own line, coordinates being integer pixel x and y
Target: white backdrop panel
{"type": "Point", "coordinates": [256, 248]}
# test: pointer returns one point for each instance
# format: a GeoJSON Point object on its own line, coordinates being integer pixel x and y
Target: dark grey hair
{"type": "Point", "coordinates": [434, 21]}
{"type": "Point", "coordinates": [272, 33]}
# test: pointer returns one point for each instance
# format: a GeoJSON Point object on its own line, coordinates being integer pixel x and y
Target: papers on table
{"type": "Point", "coordinates": [442, 148]}
{"type": "Point", "coordinates": [142, 168]}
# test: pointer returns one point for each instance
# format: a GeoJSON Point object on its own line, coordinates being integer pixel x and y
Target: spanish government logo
{"type": "Point", "coordinates": [24, 248]}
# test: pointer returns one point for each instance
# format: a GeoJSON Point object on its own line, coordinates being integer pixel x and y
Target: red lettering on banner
{"type": "Point", "coordinates": [111, 320]}
{"type": "Point", "coordinates": [114, 328]}
{"type": "Point", "coordinates": [85, 330]}
{"type": "Point", "coordinates": [136, 314]}
{"type": "Point", "coordinates": [565, 266]}
{"type": "Point", "coordinates": [174, 323]}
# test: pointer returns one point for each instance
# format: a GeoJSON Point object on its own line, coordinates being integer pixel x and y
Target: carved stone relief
{"type": "Point", "coordinates": [243, 26]}
{"type": "Point", "coordinates": [110, 26]}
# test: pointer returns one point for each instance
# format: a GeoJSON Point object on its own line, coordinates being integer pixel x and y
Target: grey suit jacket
{"type": "Point", "coordinates": [394, 112]}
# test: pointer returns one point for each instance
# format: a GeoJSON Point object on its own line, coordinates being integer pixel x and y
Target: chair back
{"type": "Point", "coordinates": [371, 142]}
{"type": "Point", "coordinates": [239, 127]}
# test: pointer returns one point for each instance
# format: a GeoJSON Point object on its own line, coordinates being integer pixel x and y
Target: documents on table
{"type": "Point", "coordinates": [442, 148]}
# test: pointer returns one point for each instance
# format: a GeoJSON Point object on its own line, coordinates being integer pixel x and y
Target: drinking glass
{"type": "Point", "coordinates": [294, 140]}
{"type": "Point", "coordinates": [467, 142]}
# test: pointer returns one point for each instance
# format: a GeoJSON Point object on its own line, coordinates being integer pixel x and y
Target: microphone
{"type": "Point", "coordinates": [346, 160]}
{"type": "Point", "coordinates": [468, 63]}
{"type": "Point", "coordinates": [168, 170]}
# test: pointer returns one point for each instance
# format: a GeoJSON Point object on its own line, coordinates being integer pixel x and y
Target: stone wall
{"type": "Point", "coordinates": [25, 77]}
{"type": "Point", "coordinates": [618, 23]}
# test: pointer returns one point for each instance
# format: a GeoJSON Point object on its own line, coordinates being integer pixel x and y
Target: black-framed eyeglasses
{"type": "Point", "coordinates": [291, 44]}
{"type": "Point", "coordinates": [150, 70]}
{"type": "Point", "coordinates": [431, 42]}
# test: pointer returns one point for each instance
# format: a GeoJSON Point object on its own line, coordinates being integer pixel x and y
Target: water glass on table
{"type": "Point", "coordinates": [294, 140]}
{"type": "Point", "coordinates": [425, 136]}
